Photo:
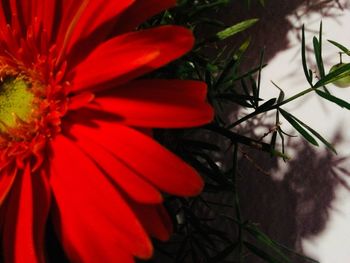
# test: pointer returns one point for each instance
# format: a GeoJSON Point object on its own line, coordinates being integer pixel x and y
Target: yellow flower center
{"type": "Point", "coordinates": [15, 101]}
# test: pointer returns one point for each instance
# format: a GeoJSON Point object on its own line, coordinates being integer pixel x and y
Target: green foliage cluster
{"type": "Point", "coordinates": [197, 239]}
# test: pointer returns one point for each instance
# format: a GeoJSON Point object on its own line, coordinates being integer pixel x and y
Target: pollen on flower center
{"type": "Point", "coordinates": [15, 101]}
{"type": "Point", "coordinates": [32, 102]}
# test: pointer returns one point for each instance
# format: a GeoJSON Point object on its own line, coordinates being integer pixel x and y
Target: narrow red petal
{"type": "Point", "coordinates": [25, 219]}
{"type": "Point", "coordinates": [96, 14]}
{"type": "Point", "coordinates": [7, 177]}
{"type": "Point", "coordinates": [46, 12]}
{"type": "Point", "coordinates": [22, 8]}
{"type": "Point", "coordinates": [155, 220]}
{"type": "Point", "coordinates": [139, 12]}
{"type": "Point", "coordinates": [3, 21]}
{"type": "Point", "coordinates": [137, 188]}
{"type": "Point", "coordinates": [96, 224]}
{"type": "Point", "coordinates": [158, 103]}
{"type": "Point", "coordinates": [16, 17]}
{"type": "Point", "coordinates": [148, 158]}
{"type": "Point", "coordinates": [42, 204]}
{"type": "Point", "coordinates": [72, 12]}
{"type": "Point", "coordinates": [130, 55]}
{"type": "Point", "coordinates": [80, 100]}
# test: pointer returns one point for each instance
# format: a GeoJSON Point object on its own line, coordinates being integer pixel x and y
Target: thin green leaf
{"type": "Point", "coordinates": [250, 72]}
{"type": "Point", "coordinates": [259, 72]}
{"type": "Point", "coordinates": [340, 46]}
{"type": "Point", "coordinates": [262, 254]}
{"type": "Point", "coordinates": [336, 100]}
{"type": "Point", "coordinates": [262, 2]}
{"type": "Point", "coordinates": [267, 105]}
{"type": "Point", "coordinates": [236, 98]}
{"type": "Point", "coordinates": [316, 134]}
{"type": "Point", "coordinates": [318, 56]}
{"type": "Point", "coordinates": [255, 92]}
{"type": "Point", "coordinates": [242, 49]}
{"type": "Point", "coordinates": [291, 119]}
{"type": "Point", "coordinates": [265, 240]}
{"type": "Point", "coordinates": [273, 140]}
{"type": "Point", "coordinates": [295, 253]}
{"type": "Point", "coordinates": [333, 76]}
{"type": "Point", "coordinates": [233, 30]}
{"type": "Point", "coordinates": [303, 57]}
{"type": "Point", "coordinates": [281, 95]}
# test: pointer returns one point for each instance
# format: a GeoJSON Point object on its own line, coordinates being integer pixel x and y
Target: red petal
{"type": "Point", "coordinates": [155, 220]}
{"type": "Point", "coordinates": [28, 10]}
{"type": "Point", "coordinates": [46, 10]}
{"type": "Point", "coordinates": [139, 12]}
{"type": "Point", "coordinates": [148, 158]}
{"type": "Point", "coordinates": [130, 55]}
{"type": "Point", "coordinates": [25, 219]}
{"type": "Point", "coordinates": [3, 21]}
{"type": "Point", "coordinates": [96, 224]}
{"type": "Point", "coordinates": [96, 13]}
{"type": "Point", "coordinates": [72, 11]}
{"type": "Point", "coordinates": [158, 103]}
{"type": "Point", "coordinates": [42, 204]}
{"type": "Point", "coordinates": [80, 100]}
{"type": "Point", "coordinates": [126, 178]}
{"type": "Point", "coordinates": [7, 177]}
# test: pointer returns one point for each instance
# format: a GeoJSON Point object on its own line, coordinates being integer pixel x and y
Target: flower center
{"type": "Point", "coordinates": [15, 102]}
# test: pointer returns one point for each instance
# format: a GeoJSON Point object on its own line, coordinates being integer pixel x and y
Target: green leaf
{"type": "Point", "coordinates": [259, 72]}
{"type": "Point", "coordinates": [318, 56]}
{"type": "Point", "coordinates": [281, 95]}
{"type": "Point", "coordinates": [262, 254]}
{"type": "Point", "coordinates": [303, 57]}
{"type": "Point", "coordinates": [305, 258]}
{"type": "Point", "coordinates": [233, 30]}
{"type": "Point", "coordinates": [236, 98]}
{"type": "Point", "coordinates": [315, 133]}
{"type": "Point", "coordinates": [292, 120]}
{"type": "Point", "coordinates": [340, 46]}
{"type": "Point", "coordinates": [242, 49]}
{"type": "Point", "coordinates": [262, 2]}
{"type": "Point", "coordinates": [255, 91]}
{"type": "Point", "coordinates": [339, 102]}
{"type": "Point", "coordinates": [237, 138]}
{"type": "Point", "coordinates": [250, 72]}
{"type": "Point", "coordinates": [333, 76]}
{"type": "Point", "coordinates": [267, 105]}
{"type": "Point", "coordinates": [265, 240]}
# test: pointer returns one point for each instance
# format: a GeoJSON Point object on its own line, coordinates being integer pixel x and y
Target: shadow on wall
{"type": "Point", "coordinates": [297, 205]}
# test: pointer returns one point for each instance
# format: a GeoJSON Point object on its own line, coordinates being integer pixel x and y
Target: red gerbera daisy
{"type": "Point", "coordinates": [71, 122]}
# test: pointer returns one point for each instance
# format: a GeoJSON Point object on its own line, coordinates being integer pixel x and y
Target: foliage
{"type": "Point", "coordinates": [198, 238]}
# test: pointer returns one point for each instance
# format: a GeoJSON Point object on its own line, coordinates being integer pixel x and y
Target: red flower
{"type": "Point", "coordinates": [71, 120]}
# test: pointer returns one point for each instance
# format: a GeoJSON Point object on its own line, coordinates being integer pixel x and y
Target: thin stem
{"type": "Point", "coordinates": [276, 106]}
{"type": "Point", "coordinates": [296, 96]}
{"type": "Point", "coordinates": [237, 205]}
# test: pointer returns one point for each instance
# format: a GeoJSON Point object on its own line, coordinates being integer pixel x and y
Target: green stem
{"type": "Point", "coordinates": [276, 106]}
{"type": "Point", "coordinates": [296, 96]}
